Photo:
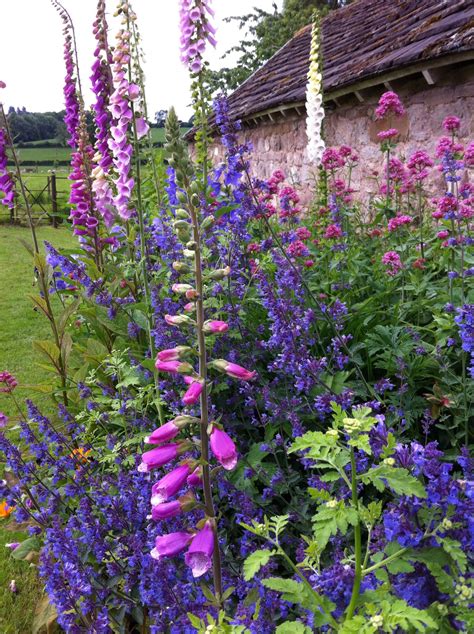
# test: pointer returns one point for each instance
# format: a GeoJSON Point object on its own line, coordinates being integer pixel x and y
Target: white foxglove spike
{"type": "Point", "coordinates": [314, 101]}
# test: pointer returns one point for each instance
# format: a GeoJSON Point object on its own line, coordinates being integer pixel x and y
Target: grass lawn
{"type": "Point", "coordinates": [20, 326]}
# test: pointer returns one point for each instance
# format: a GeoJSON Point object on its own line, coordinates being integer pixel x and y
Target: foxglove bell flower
{"type": "Point", "coordinates": [160, 456]}
{"type": "Point", "coordinates": [314, 101]}
{"type": "Point", "coordinates": [195, 478]}
{"type": "Point", "coordinates": [223, 448]}
{"type": "Point", "coordinates": [172, 354]}
{"type": "Point", "coordinates": [172, 509]}
{"type": "Point", "coordinates": [174, 367]}
{"type": "Point", "coordinates": [193, 392]}
{"type": "Point", "coordinates": [169, 430]}
{"type": "Point", "coordinates": [169, 484]}
{"type": "Point", "coordinates": [199, 555]}
{"type": "Point", "coordinates": [233, 370]}
{"type": "Point", "coordinates": [196, 30]}
{"type": "Point", "coordinates": [170, 545]}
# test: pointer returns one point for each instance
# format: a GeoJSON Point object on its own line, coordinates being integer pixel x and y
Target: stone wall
{"type": "Point", "coordinates": [280, 144]}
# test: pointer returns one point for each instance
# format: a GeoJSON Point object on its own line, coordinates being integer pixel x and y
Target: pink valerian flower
{"type": "Point", "coordinates": [446, 145]}
{"type": "Point", "coordinates": [196, 31]}
{"type": "Point", "coordinates": [223, 448]}
{"type": "Point", "coordinates": [215, 327]}
{"type": "Point", "coordinates": [333, 232]}
{"type": "Point", "coordinates": [332, 159]}
{"type": "Point", "coordinates": [170, 484]}
{"type": "Point", "coordinates": [170, 545]}
{"type": "Point", "coordinates": [349, 155]}
{"type": "Point", "coordinates": [389, 104]}
{"type": "Point", "coordinates": [194, 391]}
{"type": "Point", "coordinates": [442, 235]}
{"type": "Point", "coordinates": [399, 221]}
{"type": "Point", "coordinates": [7, 382]}
{"type": "Point", "coordinates": [297, 249]}
{"type": "Point", "coordinates": [161, 455]}
{"type": "Point", "coordinates": [303, 233]}
{"type": "Point", "coordinates": [3, 419]}
{"type": "Point", "coordinates": [418, 164]}
{"type": "Point", "coordinates": [452, 124]}
{"type": "Point", "coordinates": [233, 370]}
{"type": "Point", "coordinates": [392, 261]}
{"type": "Point", "coordinates": [419, 263]}
{"type": "Point", "coordinates": [385, 135]}
{"type": "Point", "coordinates": [7, 186]}
{"type": "Point", "coordinates": [199, 555]}
{"type": "Point", "coordinates": [469, 155]}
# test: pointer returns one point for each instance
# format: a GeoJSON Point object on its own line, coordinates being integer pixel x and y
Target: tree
{"type": "Point", "coordinates": [265, 33]}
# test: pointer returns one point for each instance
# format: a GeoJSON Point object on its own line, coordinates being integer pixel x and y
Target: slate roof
{"type": "Point", "coordinates": [366, 39]}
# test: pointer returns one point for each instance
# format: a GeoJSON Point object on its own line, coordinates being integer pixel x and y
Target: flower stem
{"type": "Point", "coordinates": [206, 478]}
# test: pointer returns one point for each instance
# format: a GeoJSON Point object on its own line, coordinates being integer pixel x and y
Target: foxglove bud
{"type": "Point", "coordinates": [220, 274]}
{"type": "Point", "coordinates": [188, 253]}
{"type": "Point", "coordinates": [178, 320]}
{"type": "Point", "coordinates": [181, 267]}
{"type": "Point", "coordinates": [207, 223]}
{"type": "Point", "coordinates": [181, 288]}
{"type": "Point", "coordinates": [195, 478]}
{"type": "Point", "coordinates": [189, 308]}
{"type": "Point", "coordinates": [192, 294]}
{"type": "Point", "coordinates": [165, 510]}
{"type": "Point", "coordinates": [215, 327]}
{"type": "Point", "coordinates": [182, 214]}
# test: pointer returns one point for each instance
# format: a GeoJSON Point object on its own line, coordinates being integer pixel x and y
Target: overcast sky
{"type": "Point", "coordinates": [31, 60]}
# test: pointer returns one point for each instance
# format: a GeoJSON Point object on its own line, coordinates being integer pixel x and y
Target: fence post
{"type": "Point", "coordinates": [54, 199]}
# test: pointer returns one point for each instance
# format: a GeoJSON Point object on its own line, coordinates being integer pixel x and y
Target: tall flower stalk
{"type": "Point", "coordinates": [314, 98]}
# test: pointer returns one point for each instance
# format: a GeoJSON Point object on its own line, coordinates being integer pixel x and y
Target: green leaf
{"type": "Point", "coordinates": [30, 545]}
{"type": "Point", "coordinates": [49, 349]}
{"type": "Point", "coordinates": [398, 479]}
{"type": "Point", "coordinates": [255, 561]}
{"type": "Point", "coordinates": [454, 550]}
{"type": "Point", "coordinates": [292, 627]}
{"type": "Point", "coordinates": [45, 617]}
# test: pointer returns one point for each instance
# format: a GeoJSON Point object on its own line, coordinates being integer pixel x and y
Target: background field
{"type": "Point", "coordinates": [20, 326]}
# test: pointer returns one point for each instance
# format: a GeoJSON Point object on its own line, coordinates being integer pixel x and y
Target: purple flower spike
{"type": "Point", "coordinates": [199, 555]}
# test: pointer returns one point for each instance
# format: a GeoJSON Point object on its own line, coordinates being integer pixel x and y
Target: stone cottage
{"type": "Point", "coordinates": [421, 49]}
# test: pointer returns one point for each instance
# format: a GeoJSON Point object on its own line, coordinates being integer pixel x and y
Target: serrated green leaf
{"type": "Point", "coordinates": [255, 561]}
{"type": "Point", "coordinates": [292, 627]}
{"type": "Point", "coordinates": [396, 478]}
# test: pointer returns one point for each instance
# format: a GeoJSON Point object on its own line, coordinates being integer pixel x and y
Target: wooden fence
{"type": "Point", "coordinates": [45, 203]}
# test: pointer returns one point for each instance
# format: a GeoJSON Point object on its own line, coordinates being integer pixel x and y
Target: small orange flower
{"type": "Point", "coordinates": [81, 455]}
{"type": "Point", "coordinates": [5, 510]}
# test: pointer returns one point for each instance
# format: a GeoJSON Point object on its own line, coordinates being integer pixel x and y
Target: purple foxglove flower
{"type": "Point", "coordinates": [172, 354]}
{"type": "Point", "coordinates": [158, 457]}
{"type": "Point", "coordinates": [169, 484]}
{"type": "Point", "coordinates": [233, 370]}
{"type": "Point", "coordinates": [3, 419]}
{"type": "Point", "coordinates": [170, 545]}
{"type": "Point", "coordinates": [199, 555]}
{"type": "Point", "coordinates": [195, 478]}
{"type": "Point", "coordinates": [169, 430]}
{"type": "Point", "coordinates": [12, 545]}
{"type": "Point", "coordinates": [166, 510]}
{"type": "Point", "coordinates": [175, 367]}
{"type": "Point", "coordinates": [193, 392]}
{"type": "Point", "coordinates": [164, 433]}
{"type": "Point", "coordinates": [223, 448]}
{"type": "Point", "coordinates": [215, 326]}
{"type": "Point", "coordinates": [181, 288]}
{"type": "Point", "coordinates": [142, 127]}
